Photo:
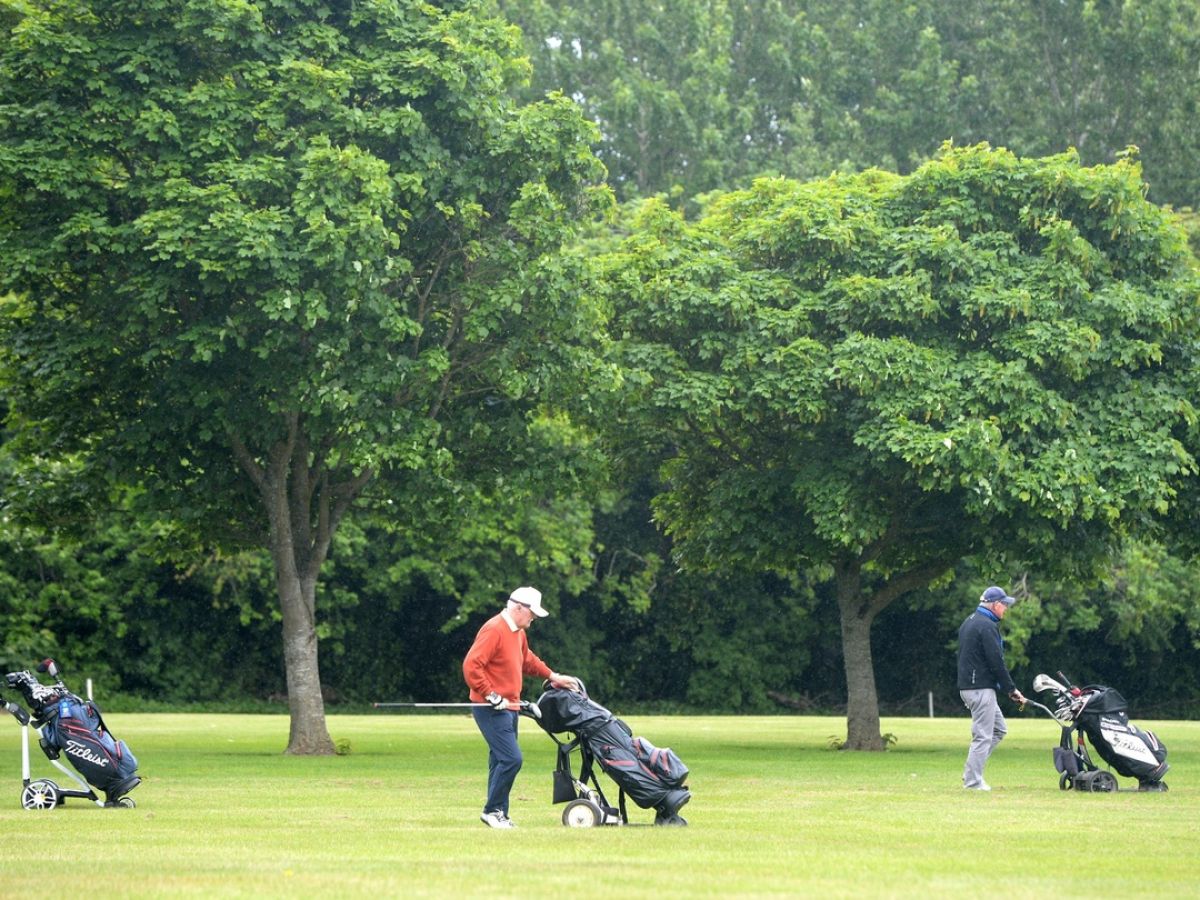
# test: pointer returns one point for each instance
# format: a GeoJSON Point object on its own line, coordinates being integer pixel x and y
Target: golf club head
{"type": "Point", "coordinates": [531, 708]}
{"type": "Point", "coordinates": [1046, 683]}
{"type": "Point", "coordinates": [50, 667]}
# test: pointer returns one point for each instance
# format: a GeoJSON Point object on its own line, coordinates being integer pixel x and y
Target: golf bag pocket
{"type": "Point", "coordinates": [1066, 761]}
{"type": "Point", "coordinates": [78, 732]}
{"type": "Point", "coordinates": [664, 764]}
{"type": "Point", "coordinates": [564, 782]}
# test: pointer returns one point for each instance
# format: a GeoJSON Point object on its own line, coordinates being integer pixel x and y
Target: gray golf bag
{"type": "Point", "coordinates": [654, 778]}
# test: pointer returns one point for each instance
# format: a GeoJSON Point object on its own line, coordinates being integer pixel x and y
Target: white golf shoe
{"type": "Point", "coordinates": [496, 819]}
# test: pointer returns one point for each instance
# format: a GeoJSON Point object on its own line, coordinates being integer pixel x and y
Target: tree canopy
{"type": "Point", "coordinates": [882, 375]}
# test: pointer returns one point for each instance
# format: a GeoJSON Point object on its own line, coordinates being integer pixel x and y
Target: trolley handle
{"type": "Point", "coordinates": [17, 712]}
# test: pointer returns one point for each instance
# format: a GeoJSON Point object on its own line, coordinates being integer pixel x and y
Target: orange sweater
{"type": "Point", "coordinates": [498, 660]}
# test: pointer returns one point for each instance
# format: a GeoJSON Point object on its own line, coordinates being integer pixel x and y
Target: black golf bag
{"type": "Point", "coordinates": [73, 727]}
{"type": "Point", "coordinates": [653, 778]}
{"type": "Point", "coordinates": [1100, 713]}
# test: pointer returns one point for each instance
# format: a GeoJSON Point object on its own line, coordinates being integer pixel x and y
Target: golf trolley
{"type": "Point", "coordinates": [65, 723]}
{"type": "Point", "coordinates": [1100, 713]}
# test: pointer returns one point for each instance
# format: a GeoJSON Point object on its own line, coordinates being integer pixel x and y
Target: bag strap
{"type": "Point", "coordinates": [99, 718]}
{"type": "Point", "coordinates": [586, 761]}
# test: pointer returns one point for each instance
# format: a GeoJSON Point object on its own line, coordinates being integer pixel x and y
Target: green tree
{"type": "Point", "coordinates": [883, 375]}
{"type": "Point", "coordinates": [267, 256]}
{"type": "Point", "coordinates": [1096, 76]}
{"type": "Point", "coordinates": [1142, 619]}
{"type": "Point", "coordinates": [653, 76]}
{"type": "Point", "coordinates": [699, 95]}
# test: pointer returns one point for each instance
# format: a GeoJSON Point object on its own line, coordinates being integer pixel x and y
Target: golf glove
{"type": "Point", "coordinates": [498, 702]}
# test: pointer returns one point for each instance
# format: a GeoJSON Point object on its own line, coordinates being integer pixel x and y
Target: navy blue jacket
{"type": "Point", "coordinates": [981, 654]}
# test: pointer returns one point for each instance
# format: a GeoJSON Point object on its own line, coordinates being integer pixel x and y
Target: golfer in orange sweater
{"type": "Point", "coordinates": [494, 668]}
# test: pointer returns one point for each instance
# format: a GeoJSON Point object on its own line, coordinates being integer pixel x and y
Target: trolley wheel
{"type": "Point", "coordinates": [126, 803]}
{"type": "Point", "coordinates": [1065, 782]}
{"type": "Point", "coordinates": [1104, 782]}
{"type": "Point", "coordinates": [582, 814]}
{"type": "Point", "coordinates": [40, 795]}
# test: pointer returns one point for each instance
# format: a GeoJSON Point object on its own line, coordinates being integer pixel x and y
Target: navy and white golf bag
{"type": "Point", "coordinates": [77, 731]}
{"type": "Point", "coordinates": [72, 728]}
{"type": "Point", "coordinates": [654, 778]}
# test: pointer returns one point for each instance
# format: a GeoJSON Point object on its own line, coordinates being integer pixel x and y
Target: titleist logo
{"type": "Point", "coordinates": [77, 749]}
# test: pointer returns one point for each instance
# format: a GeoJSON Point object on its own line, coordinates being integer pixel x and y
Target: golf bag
{"type": "Point", "coordinates": [1100, 713]}
{"type": "Point", "coordinates": [70, 726]}
{"type": "Point", "coordinates": [654, 778]}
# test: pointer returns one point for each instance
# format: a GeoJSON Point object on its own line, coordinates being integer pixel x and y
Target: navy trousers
{"type": "Point", "coordinates": [499, 729]}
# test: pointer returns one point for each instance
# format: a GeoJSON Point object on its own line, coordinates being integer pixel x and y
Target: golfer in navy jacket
{"type": "Point", "coordinates": [982, 672]}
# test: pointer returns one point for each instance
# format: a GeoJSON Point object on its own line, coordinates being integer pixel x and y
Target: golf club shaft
{"type": "Point", "coordinates": [439, 706]}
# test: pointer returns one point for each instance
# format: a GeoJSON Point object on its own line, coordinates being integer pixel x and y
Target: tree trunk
{"type": "Point", "coordinates": [297, 599]}
{"type": "Point", "coordinates": [859, 608]}
{"type": "Point", "coordinates": [862, 702]}
{"type": "Point", "coordinates": [303, 511]}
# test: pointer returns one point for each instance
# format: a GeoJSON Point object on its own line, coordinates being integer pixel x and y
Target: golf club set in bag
{"type": "Point", "coordinates": [67, 724]}
{"type": "Point", "coordinates": [1100, 713]}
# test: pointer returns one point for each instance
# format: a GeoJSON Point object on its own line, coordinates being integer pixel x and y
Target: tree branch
{"type": "Point", "coordinates": [248, 463]}
{"type": "Point", "coordinates": [911, 580]}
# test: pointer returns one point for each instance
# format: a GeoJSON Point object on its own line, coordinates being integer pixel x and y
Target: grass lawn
{"type": "Point", "coordinates": [221, 812]}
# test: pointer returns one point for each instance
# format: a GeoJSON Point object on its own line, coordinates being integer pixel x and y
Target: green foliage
{"type": "Point", "coordinates": [108, 610]}
{"type": "Point", "coordinates": [278, 212]}
{"type": "Point", "coordinates": [1138, 622]}
{"type": "Point", "coordinates": [219, 219]}
{"type": "Point", "coordinates": [990, 354]}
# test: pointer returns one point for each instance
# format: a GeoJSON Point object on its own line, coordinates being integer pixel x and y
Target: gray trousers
{"type": "Point", "coordinates": [988, 729]}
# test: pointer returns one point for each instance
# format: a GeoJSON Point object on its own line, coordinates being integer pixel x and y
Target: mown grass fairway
{"type": "Point", "coordinates": [222, 812]}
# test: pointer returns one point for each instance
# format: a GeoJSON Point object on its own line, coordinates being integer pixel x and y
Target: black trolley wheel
{"type": "Point", "coordinates": [1104, 783]}
{"type": "Point", "coordinates": [1065, 782]}
{"type": "Point", "coordinates": [582, 814]}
